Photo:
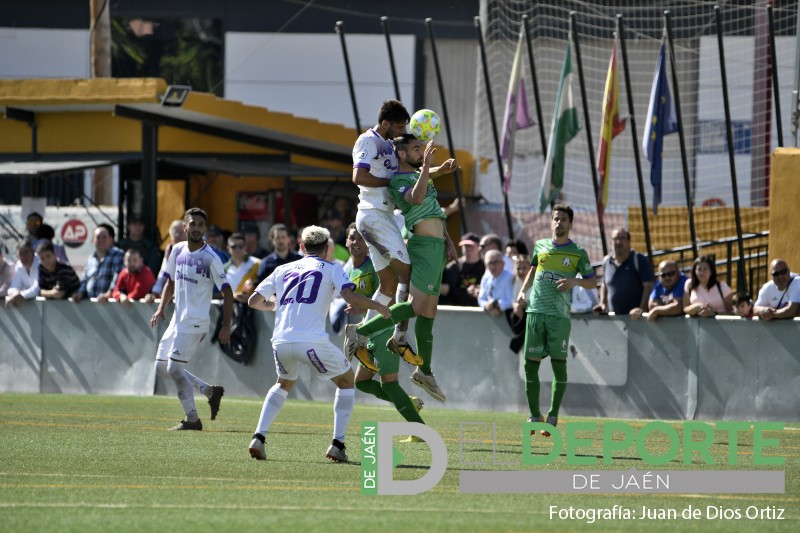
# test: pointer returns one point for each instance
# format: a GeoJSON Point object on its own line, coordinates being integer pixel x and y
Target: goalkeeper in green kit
{"type": "Point", "coordinates": [429, 249]}
{"type": "Point", "coordinates": [556, 262]}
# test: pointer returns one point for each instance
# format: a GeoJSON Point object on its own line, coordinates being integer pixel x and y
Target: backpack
{"type": "Point", "coordinates": [607, 259]}
{"type": "Point", "coordinates": [242, 344]}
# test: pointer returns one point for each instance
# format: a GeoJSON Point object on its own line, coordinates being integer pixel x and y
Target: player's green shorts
{"type": "Point", "coordinates": [386, 361]}
{"type": "Point", "coordinates": [427, 263]}
{"type": "Point", "coordinates": [546, 335]}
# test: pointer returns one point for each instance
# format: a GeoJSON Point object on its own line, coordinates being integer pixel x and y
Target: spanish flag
{"type": "Point", "coordinates": [610, 127]}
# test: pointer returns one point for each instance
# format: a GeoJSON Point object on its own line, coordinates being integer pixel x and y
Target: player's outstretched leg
{"type": "Point", "coordinates": [176, 369]}
{"type": "Point", "coordinates": [273, 404]}
{"type": "Point", "coordinates": [423, 375]}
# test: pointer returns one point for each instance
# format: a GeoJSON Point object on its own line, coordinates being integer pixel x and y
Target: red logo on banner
{"type": "Point", "coordinates": [74, 233]}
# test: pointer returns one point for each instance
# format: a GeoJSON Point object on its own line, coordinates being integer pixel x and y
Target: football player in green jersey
{"type": "Point", "coordinates": [555, 264]}
{"type": "Point", "coordinates": [376, 358]}
{"type": "Point", "coordinates": [429, 248]}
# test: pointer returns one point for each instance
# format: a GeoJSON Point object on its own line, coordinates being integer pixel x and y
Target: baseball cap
{"type": "Point", "coordinates": [469, 239]}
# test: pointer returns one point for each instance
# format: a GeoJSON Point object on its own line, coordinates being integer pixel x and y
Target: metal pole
{"type": "Point", "coordinates": [493, 119]}
{"type": "Point", "coordinates": [385, 25]}
{"type": "Point", "coordinates": [535, 86]}
{"type": "Point", "coordinates": [457, 173]}
{"type": "Point", "coordinates": [340, 30]}
{"type": "Point", "coordinates": [681, 137]}
{"type": "Point", "coordinates": [149, 179]}
{"type": "Point", "coordinates": [588, 129]}
{"type": "Point", "coordinates": [796, 89]}
{"type": "Point", "coordinates": [634, 135]}
{"type": "Point", "coordinates": [776, 89]}
{"type": "Point", "coordinates": [740, 278]}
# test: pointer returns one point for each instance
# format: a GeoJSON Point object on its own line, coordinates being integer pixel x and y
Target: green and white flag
{"type": "Point", "coordinates": [565, 127]}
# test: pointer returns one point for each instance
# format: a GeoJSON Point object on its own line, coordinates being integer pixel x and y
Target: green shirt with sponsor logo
{"type": "Point", "coordinates": [365, 278]}
{"type": "Point", "coordinates": [429, 208]}
{"type": "Point", "coordinates": [552, 262]}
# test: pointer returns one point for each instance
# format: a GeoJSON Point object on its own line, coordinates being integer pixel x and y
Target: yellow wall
{"type": "Point", "coordinates": [784, 193]}
{"type": "Point", "coordinates": [171, 206]}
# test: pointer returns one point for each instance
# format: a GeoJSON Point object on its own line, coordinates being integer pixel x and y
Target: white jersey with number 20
{"type": "Point", "coordinates": [303, 293]}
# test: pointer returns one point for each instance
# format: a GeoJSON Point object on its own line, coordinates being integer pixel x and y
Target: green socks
{"type": "Point", "coordinates": [559, 384]}
{"type": "Point", "coordinates": [400, 312]}
{"type": "Point", "coordinates": [532, 387]}
{"type": "Point", "coordinates": [371, 386]}
{"type": "Point", "coordinates": [401, 401]}
{"type": "Point", "coordinates": [423, 330]}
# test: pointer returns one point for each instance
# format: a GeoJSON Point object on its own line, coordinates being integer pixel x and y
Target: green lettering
{"type": "Point", "coordinates": [672, 451]}
{"type": "Point", "coordinates": [759, 443]}
{"type": "Point", "coordinates": [700, 446]}
{"type": "Point", "coordinates": [573, 442]}
{"type": "Point", "coordinates": [610, 445]}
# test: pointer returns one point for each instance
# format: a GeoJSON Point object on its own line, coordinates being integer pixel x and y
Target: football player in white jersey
{"type": "Point", "coordinates": [374, 165]}
{"type": "Point", "coordinates": [192, 270]}
{"type": "Point", "coordinates": [303, 291]}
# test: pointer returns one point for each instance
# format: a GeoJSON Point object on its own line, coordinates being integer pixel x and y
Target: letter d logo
{"type": "Point", "coordinates": [389, 486]}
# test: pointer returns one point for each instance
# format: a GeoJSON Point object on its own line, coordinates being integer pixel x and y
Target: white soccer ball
{"type": "Point", "coordinates": [425, 124]}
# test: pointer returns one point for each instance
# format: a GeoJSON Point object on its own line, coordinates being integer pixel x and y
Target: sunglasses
{"type": "Point", "coordinates": [780, 272]}
{"type": "Point", "coordinates": [668, 274]}
{"type": "Point", "coordinates": [236, 246]}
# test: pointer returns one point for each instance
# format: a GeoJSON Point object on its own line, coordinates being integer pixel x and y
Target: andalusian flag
{"type": "Point", "coordinates": [565, 127]}
{"type": "Point", "coordinates": [517, 115]}
{"type": "Point", "coordinates": [610, 127]}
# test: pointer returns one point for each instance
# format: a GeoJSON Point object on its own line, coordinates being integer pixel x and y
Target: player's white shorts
{"type": "Point", "coordinates": [324, 359]}
{"type": "Point", "coordinates": [379, 230]}
{"type": "Point", "coordinates": [165, 344]}
{"type": "Point", "coordinates": [184, 345]}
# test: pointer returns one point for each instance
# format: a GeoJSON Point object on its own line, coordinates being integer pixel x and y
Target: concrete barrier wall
{"type": "Point", "coordinates": [676, 368]}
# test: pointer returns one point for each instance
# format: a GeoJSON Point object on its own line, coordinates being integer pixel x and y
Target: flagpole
{"type": "Point", "coordinates": [457, 173]}
{"type": "Point", "coordinates": [588, 129]}
{"type": "Point", "coordinates": [740, 277]}
{"type": "Point", "coordinates": [632, 121]}
{"type": "Point", "coordinates": [340, 30]}
{"type": "Point", "coordinates": [684, 159]}
{"type": "Point", "coordinates": [776, 89]}
{"type": "Point", "coordinates": [535, 86]}
{"type": "Point", "coordinates": [385, 25]}
{"type": "Point", "coordinates": [493, 120]}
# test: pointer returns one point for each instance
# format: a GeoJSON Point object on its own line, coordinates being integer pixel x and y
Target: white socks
{"type": "Point", "coordinates": [342, 409]}
{"type": "Point", "coordinates": [381, 299]}
{"type": "Point", "coordinates": [273, 404]}
{"type": "Point", "coordinates": [177, 370]}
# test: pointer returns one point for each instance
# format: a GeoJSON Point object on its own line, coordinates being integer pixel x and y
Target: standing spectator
{"type": "Point", "coordinates": [743, 305]}
{"type": "Point", "coordinates": [492, 241]}
{"type": "Point", "coordinates": [134, 282]}
{"type": "Point", "coordinates": [136, 239]}
{"type": "Point", "coordinates": [32, 223]}
{"type": "Point", "coordinates": [299, 336]}
{"type": "Point", "coordinates": [282, 254]}
{"type": "Point", "coordinates": [252, 244]}
{"type": "Point", "coordinates": [6, 273]}
{"type": "Point", "coordinates": [103, 266]}
{"type": "Point", "coordinates": [496, 294]}
{"type": "Point", "coordinates": [666, 299]}
{"type": "Point", "coordinates": [461, 282]}
{"type": "Point", "coordinates": [779, 297]}
{"type": "Point", "coordinates": [47, 233]}
{"type": "Point", "coordinates": [703, 294]}
{"type": "Point", "coordinates": [515, 247]}
{"type": "Point", "coordinates": [57, 281]}
{"type": "Point", "coordinates": [193, 271]}
{"type": "Point", "coordinates": [25, 282]}
{"type": "Point", "coordinates": [215, 237]}
{"type": "Point", "coordinates": [177, 232]}
{"type": "Point", "coordinates": [627, 279]}
{"type": "Point", "coordinates": [556, 263]}
{"type": "Point", "coordinates": [242, 269]}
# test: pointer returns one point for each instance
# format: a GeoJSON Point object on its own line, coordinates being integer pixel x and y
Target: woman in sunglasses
{"type": "Point", "coordinates": [704, 295]}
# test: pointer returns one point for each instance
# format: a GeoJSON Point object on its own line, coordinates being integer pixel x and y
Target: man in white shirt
{"type": "Point", "coordinates": [497, 285]}
{"type": "Point", "coordinates": [301, 293]}
{"type": "Point", "coordinates": [25, 281]}
{"type": "Point", "coordinates": [779, 297]}
{"type": "Point", "coordinates": [192, 270]}
{"type": "Point", "coordinates": [242, 269]}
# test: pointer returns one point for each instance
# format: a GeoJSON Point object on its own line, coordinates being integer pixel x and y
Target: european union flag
{"type": "Point", "coordinates": [661, 120]}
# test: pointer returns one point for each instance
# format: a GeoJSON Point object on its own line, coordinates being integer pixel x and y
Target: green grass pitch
{"type": "Point", "coordinates": [100, 463]}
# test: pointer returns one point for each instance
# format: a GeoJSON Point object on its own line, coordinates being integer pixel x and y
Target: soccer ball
{"type": "Point", "coordinates": [425, 124]}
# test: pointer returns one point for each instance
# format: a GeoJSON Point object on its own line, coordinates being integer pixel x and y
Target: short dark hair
{"type": "Point", "coordinates": [45, 246]}
{"type": "Point", "coordinates": [135, 250]}
{"type": "Point", "coordinates": [110, 229]}
{"type": "Point", "coordinates": [25, 243]}
{"type": "Point", "coordinates": [276, 228]}
{"type": "Point", "coordinates": [522, 248]}
{"type": "Point", "coordinates": [34, 214]}
{"type": "Point", "coordinates": [401, 142]}
{"type": "Point", "coordinates": [46, 232]}
{"type": "Point", "coordinates": [236, 237]}
{"type": "Point", "coordinates": [195, 212]}
{"type": "Point", "coordinates": [742, 297]}
{"type": "Point", "coordinates": [564, 208]}
{"type": "Point", "coordinates": [393, 111]}
{"type": "Point", "coordinates": [251, 229]}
